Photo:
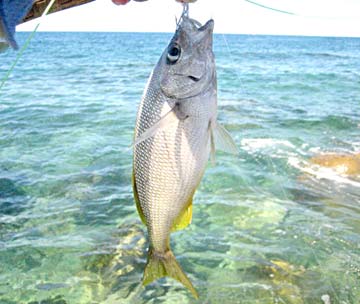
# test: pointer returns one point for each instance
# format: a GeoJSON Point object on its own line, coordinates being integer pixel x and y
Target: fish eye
{"type": "Point", "coordinates": [174, 53]}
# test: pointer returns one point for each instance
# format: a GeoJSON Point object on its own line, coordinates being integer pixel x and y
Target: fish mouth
{"type": "Point", "coordinates": [193, 78]}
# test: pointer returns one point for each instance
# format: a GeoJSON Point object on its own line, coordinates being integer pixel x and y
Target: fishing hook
{"type": "Point", "coordinates": [184, 14]}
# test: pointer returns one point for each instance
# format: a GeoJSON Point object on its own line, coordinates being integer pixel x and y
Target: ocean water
{"type": "Point", "coordinates": [268, 226]}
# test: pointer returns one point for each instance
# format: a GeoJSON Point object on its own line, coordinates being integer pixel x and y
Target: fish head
{"type": "Point", "coordinates": [188, 64]}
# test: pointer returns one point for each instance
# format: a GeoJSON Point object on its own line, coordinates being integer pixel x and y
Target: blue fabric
{"type": "Point", "coordinates": [11, 13]}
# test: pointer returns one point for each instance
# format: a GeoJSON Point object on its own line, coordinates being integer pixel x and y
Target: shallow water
{"type": "Point", "coordinates": [267, 227]}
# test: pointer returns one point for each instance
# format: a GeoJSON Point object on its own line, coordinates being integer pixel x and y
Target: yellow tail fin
{"type": "Point", "coordinates": [164, 264]}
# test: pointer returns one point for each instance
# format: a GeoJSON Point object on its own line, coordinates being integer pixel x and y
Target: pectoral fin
{"type": "Point", "coordinates": [163, 121]}
{"type": "Point", "coordinates": [222, 140]}
{"type": "Point", "coordinates": [213, 149]}
{"type": "Point", "coordinates": [137, 201]}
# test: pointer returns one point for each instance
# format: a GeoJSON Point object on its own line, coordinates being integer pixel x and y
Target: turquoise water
{"type": "Point", "coordinates": [268, 226]}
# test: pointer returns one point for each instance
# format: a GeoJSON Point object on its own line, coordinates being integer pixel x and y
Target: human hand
{"type": "Point", "coordinates": [186, 1]}
{"type": "Point", "coordinates": [121, 2]}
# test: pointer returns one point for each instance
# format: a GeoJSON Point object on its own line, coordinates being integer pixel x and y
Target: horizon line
{"type": "Point", "coordinates": [216, 33]}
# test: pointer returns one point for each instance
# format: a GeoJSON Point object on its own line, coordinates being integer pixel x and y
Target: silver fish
{"type": "Point", "coordinates": [176, 130]}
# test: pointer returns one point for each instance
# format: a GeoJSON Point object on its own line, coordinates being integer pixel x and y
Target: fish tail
{"type": "Point", "coordinates": [161, 264]}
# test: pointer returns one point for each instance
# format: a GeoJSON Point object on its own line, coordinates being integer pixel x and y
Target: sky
{"type": "Point", "coordinates": [308, 18]}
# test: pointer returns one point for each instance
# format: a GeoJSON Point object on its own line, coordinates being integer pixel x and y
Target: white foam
{"type": "Point", "coordinates": [255, 144]}
{"type": "Point", "coordinates": [315, 150]}
{"type": "Point", "coordinates": [356, 146]}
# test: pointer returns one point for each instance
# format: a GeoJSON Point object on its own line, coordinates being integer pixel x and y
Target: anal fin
{"type": "Point", "coordinates": [185, 217]}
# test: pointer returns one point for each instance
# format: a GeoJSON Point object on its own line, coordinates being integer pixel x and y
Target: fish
{"type": "Point", "coordinates": [12, 12]}
{"type": "Point", "coordinates": [176, 132]}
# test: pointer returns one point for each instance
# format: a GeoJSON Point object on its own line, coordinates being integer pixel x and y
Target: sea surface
{"type": "Point", "coordinates": [268, 226]}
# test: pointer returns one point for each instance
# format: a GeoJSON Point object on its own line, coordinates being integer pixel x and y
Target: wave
{"type": "Point", "coordinates": [296, 157]}
{"type": "Point", "coordinates": [254, 144]}
{"type": "Point", "coordinates": [328, 122]}
{"type": "Point", "coordinates": [327, 55]}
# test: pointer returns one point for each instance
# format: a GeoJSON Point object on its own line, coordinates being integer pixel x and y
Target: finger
{"type": "Point", "coordinates": [186, 1]}
{"type": "Point", "coordinates": [120, 2]}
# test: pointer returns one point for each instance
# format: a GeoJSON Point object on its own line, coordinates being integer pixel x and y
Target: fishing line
{"type": "Point", "coordinates": [243, 93]}
{"type": "Point", "coordinates": [232, 60]}
{"type": "Point", "coordinates": [246, 183]}
{"type": "Point", "coordinates": [271, 8]}
{"type": "Point", "coordinates": [299, 15]}
{"type": "Point", "coordinates": [268, 158]}
{"type": "Point", "coordinates": [26, 44]}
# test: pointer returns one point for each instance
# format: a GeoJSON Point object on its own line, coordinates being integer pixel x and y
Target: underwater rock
{"type": "Point", "coordinates": [8, 188]}
{"type": "Point", "coordinates": [264, 282]}
{"type": "Point", "coordinates": [283, 276]}
{"type": "Point", "coordinates": [50, 286]}
{"type": "Point", "coordinates": [55, 300]}
{"type": "Point", "coordinates": [116, 270]}
{"type": "Point", "coordinates": [327, 177]}
{"type": "Point", "coordinates": [23, 259]}
{"type": "Point", "coordinates": [81, 192]}
{"type": "Point", "coordinates": [281, 270]}
{"type": "Point", "coordinates": [348, 164]}
{"type": "Point", "coordinates": [265, 213]}
{"type": "Point", "coordinates": [7, 301]}
{"type": "Point", "coordinates": [12, 197]}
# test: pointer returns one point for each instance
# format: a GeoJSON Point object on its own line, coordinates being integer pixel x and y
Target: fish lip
{"type": "Point", "coordinates": [192, 77]}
